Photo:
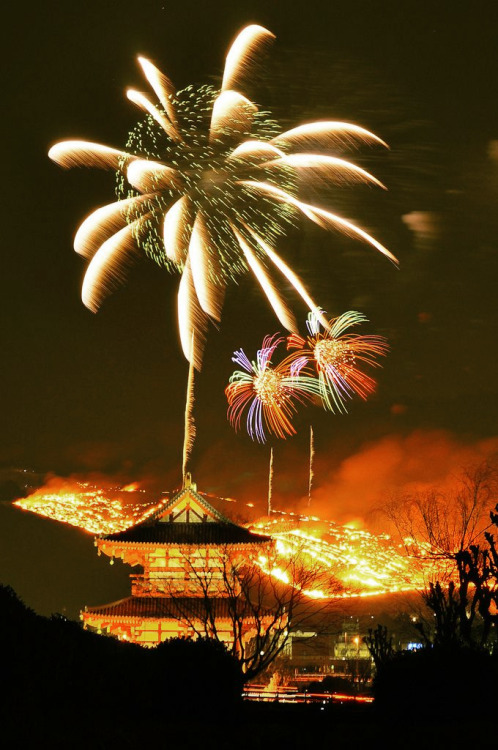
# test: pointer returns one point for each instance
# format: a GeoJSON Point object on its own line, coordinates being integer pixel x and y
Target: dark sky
{"type": "Point", "coordinates": [87, 394]}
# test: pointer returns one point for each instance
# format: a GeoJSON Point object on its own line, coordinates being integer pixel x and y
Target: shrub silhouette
{"type": "Point", "coordinates": [60, 676]}
{"type": "Point", "coordinates": [439, 682]}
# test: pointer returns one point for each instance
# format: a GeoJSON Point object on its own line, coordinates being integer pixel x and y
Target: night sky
{"type": "Point", "coordinates": [103, 395]}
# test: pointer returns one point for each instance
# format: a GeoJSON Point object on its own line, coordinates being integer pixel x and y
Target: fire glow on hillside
{"type": "Point", "coordinates": [360, 563]}
{"type": "Point", "coordinates": [364, 564]}
{"type": "Point", "coordinates": [90, 508]}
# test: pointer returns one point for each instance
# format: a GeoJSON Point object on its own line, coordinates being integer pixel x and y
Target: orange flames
{"type": "Point", "coordinates": [133, 487]}
{"type": "Point", "coordinates": [360, 563]}
{"type": "Point", "coordinates": [87, 507]}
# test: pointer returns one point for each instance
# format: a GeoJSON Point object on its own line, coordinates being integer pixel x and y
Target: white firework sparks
{"type": "Point", "coordinates": [206, 186]}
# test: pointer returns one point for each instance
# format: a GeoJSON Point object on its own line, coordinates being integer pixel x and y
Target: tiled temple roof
{"type": "Point", "coordinates": [187, 533]}
{"type": "Point", "coordinates": [160, 607]}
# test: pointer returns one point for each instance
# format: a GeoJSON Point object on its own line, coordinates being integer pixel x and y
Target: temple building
{"type": "Point", "coordinates": [187, 555]}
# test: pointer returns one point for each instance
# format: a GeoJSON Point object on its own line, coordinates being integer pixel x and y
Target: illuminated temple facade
{"type": "Point", "coordinates": [184, 554]}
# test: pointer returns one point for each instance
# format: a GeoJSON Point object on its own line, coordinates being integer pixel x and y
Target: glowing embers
{"type": "Point", "coordinates": [358, 562]}
{"type": "Point", "coordinates": [89, 508]}
{"type": "Point", "coordinates": [352, 562]}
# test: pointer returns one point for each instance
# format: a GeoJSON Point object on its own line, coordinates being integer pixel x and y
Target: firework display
{"type": "Point", "coordinates": [206, 185]}
{"type": "Point", "coordinates": [270, 394]}
{"type": "Point", "coordinates": [324, 365]}
{"type": "Point", "coordinates": [337, 357]}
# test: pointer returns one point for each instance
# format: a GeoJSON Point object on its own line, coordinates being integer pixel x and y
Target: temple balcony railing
{"type": "Point", "coordinates": [176, 586]}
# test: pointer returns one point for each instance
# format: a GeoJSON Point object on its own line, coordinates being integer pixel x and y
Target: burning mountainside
{"type": "Point", "coordinates": [360, 563]}
{"type": "Point", "coordinates": [93, 509]}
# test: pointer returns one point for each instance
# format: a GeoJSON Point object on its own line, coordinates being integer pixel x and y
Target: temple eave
{"type": "Point", "coordinates": [184, 550]}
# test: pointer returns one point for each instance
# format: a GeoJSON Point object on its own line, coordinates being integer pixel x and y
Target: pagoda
{"type": "Point", "coordinates": [187, 554]}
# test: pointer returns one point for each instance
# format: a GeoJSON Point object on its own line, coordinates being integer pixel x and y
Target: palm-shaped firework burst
{"type": "Point", "coordinates": [206, 187]}
{"type": "Point", "coordinates": [270, 394]}
{"type": "Point", "coordinates": [337, 357]}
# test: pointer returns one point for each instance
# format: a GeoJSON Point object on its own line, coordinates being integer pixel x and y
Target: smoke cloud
{"type": "Point", "coordinates": [395, 464]}
{"type": "Point", "coordinates": [353, 489]}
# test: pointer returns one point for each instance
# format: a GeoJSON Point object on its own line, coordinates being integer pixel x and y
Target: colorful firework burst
{"type": "Point", "coordinates": [205, 188]}
{"type": "Point", "coordinates": [269, 393]}
{"type": "Point", "coordinates": [337, 357]}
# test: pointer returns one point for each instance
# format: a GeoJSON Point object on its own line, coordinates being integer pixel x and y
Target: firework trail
{"type": "Point", "coordinates": [206, 185]}
{"type": "Point", "coordinates": [312, 455]}
{"type": "Point", "coordinates": [190, 429]}
{"type": "Point", "coordinates": [336, 357]}
{"type": "Point", "coordinates": [270, 483]}
{"type": "Point", "coordinates": [270, 394]}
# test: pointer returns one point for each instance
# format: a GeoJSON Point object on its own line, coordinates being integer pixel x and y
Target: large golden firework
{"type": "Point", "coordinates": [206, 187]}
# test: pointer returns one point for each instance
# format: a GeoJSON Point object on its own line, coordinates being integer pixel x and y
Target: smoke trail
{"type": "Point", "coordinates": [270, 482]}
{"type": "Point", "coordinates": [189, 433]}
{"type": "Point", "coordinates": [312, 455]}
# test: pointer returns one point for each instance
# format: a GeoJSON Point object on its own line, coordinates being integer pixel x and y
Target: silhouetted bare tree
{"type": "Point", "coordinates": [438, 525]}
{"type": "Point", "coordinates": [380, 645]}
{"type": "Point", "coordinates": [251, 604]}
{"type": "Point", "coordinates": [478, 589]}
{"type": "Point", "coordinates": [453, 530]}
